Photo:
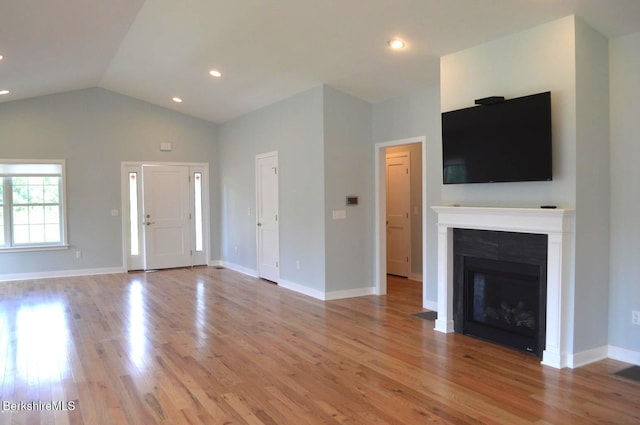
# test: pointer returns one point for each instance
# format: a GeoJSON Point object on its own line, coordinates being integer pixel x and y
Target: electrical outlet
{"type": "Point", "coordinates": [298, 264]}
{"type": "Point", "coordinates": [635, 317]}
{"type": "Point", "coordinates": [78, 255]}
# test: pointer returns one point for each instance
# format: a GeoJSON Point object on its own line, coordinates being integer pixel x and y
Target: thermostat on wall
{"type": "Point", "coordinates": [352, 200]}
{"type": "Point", "coordinates": [165, 147]}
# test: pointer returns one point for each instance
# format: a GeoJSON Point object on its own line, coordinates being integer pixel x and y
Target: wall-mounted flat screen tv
{"type": "Point", "coordinates": [509, 141]}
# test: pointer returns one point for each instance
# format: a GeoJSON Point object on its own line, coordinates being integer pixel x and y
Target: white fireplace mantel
{"type": "Point", "coordinates": [556, 223]}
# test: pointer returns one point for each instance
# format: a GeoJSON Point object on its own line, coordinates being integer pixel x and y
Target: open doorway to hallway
{"type": "Point", "coordinates": [403, 175]}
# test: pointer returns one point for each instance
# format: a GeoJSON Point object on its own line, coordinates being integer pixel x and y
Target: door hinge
{"type": "Point", "coordinates": [407, 259]}
{"type": "Point", "coordinates": [191, 252]}
{"type": "Point", "coordinates": [407, 171]}
{"type": "Point", "coordinates": [276, 217]}
{"type": "Point", "coordinates": [407, 215]}
{"type": "Point", "coordinates": [275, 170]}
{"type": "Point", "coordinates": [189, 177]}
{"type": "Point", "coordinates": [276, 264]}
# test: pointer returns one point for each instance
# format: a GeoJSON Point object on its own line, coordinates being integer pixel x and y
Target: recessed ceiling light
{"type": "Point", "coordinates": [215, 73]}
{"type": "Point", "coordinates": [4, 92]}
{"type": "Point", "coordinates": [0, 57]}
{"type": "Point", "coordinates": [396, 44]}
{"type": "Point", "coordinates": [177, 100]}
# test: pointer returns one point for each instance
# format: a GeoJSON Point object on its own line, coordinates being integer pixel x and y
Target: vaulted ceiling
{"type": "Point", "coordinates": [267, 50]}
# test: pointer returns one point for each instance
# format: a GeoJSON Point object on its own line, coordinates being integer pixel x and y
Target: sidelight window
{"type": "Point", "coordinates": [198, 211]}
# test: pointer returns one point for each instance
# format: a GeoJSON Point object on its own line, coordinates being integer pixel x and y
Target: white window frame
{"type": "Point", "coordinates": [21, 167]}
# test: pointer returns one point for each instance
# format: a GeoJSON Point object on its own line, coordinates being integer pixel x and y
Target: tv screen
{"type": "Point", "coordinates": [509, 141]}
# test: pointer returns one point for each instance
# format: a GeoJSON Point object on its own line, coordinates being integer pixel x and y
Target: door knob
{"type": "Point", "coordinates": [259, 224]}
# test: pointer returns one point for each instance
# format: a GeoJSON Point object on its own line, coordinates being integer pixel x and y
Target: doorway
{"type": "Point", "coordinates": [417, 213]}
{"type": "Point", "coordinates": [267, 232]}
{"type": "Point", "coordinates": [165, 215]}
{"type": "Point", "coordinates": [398, 219]}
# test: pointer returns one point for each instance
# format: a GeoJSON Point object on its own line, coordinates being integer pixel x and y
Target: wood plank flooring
{"type": "Point", "coordinates": [210, 346]}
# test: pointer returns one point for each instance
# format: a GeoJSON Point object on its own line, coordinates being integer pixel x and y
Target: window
{"type": "Point", "coordinates": [198, 210]}
{"type": "Point", "coordinates": [134, 249]}
{"type": "Point", "coordinates": [31, 204]}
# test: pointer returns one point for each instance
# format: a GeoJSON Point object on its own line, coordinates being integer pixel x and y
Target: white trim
{"type": "Point", "coordinates": [415, 276]}
{"type": "Point", "coordinates": [215, 263]}
{"type": "Point", "coordinates": [61, 170]}
{"type": "Point", "coordinates": [238, 268]}
{"type": "Point", "coordinates": [380, 237]}
{"type": "Point", "coordinates": [161, 163]}
{"type": "Point", "coordinates": [301, 289]}
{"type": "Point", "coordinates": [35, 248]}
{"type": "Point", "coordinates": [557, 224]}
{"type": "Point", "coordinates": [136, 166]}
{"type": "Point", "coordinates": [586, 357]}
{"type": "Point", "coordinates": [624, 355]}
{"type": "Point", "coordinates": [61, 273]}
{"type": "Point", "coordinates": [349, 293]}
{"type": "Point", "coordinates": [431, 305]}
{"type": "Point", "coordinates": [206, 214]}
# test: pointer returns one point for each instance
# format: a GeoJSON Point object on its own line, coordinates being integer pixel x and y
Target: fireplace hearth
{"type": "Point", "coordinates": [500, 287]}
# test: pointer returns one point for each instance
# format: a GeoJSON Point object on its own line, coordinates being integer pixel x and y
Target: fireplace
{"type": "Point", "coordinates": [556, 225]}
{"type": "Point", "coordinates": [499, 289]}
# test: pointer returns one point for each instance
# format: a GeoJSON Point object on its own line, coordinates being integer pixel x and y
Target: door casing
{"type": "Point", "coordinates": [380, 236]}
{"type": "Point", "coordinates": [137, 262]}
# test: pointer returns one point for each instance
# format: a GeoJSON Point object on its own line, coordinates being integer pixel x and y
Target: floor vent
{"type": "Point", "coordinates": [426, 315]}
{"type": "Point", "coordinates": [632, 373]}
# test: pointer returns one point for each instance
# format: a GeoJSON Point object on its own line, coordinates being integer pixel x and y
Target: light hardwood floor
{"type": "Point", "coordinates": [209, 346]}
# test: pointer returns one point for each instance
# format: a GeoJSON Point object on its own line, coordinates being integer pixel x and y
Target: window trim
{"type": "Point", "coordinates": [64, 242]}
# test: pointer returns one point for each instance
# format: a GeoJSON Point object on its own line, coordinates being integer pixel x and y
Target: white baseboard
{"type": "Point", "coordinates": [599, 353]}
{"type": "Point", "coordinates": [325, 296]}
{"type": "Point", "coordinates": [430, 305]}
{"type": "Point", "coordinates": [61, 273]}
{"type": "Point", "coordinates": [585, 357]}
{"type": "Point", "coordinates": [415, 276]}
{"type": "Point", "coordinates": [624, 355]}
{"type": "Point", "coordinates": [349, 293]}
{"type": "Point", "coordinates": [305, 290]}
{"type": "Point", "coordinates": [235, 267]}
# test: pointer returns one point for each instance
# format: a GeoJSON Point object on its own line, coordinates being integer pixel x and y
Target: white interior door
{"type": "Point", "coordinates": [267, 233]}
{"type": "Point", "coordinates": [166, 215]}
{"type": "Point", "coordinates": [398, 218]}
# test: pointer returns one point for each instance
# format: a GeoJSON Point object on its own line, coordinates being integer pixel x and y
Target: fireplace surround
{"type": "Point", "coordinates": [500, 282]}
{"type": "Point", "coordinates": [556, 224]}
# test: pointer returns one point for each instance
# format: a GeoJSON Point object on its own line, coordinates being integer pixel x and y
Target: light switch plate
{"type": "Point", "coordinates": [339, 214]}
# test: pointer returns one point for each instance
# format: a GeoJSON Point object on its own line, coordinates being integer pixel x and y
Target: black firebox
{"type": "Point", "coordinates": [500, 287]}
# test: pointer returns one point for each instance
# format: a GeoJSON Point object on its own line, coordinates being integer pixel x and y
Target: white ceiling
{"type": "Point", "coordinates": [267, 49]}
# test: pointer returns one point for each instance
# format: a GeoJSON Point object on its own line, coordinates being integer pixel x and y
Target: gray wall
{"type": "Point", "coordinates": [94, 130]}
{"type": "Point", "coordinates": [537, 60]}
{"type": "Point", "coordinates": [624, 293]}
{"type": "Point", "coordinates": [348, 163]}
{"type": "Point", "coordinates": [294, 128]}
{"type": "Point", "coordinates": [592, 189]}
